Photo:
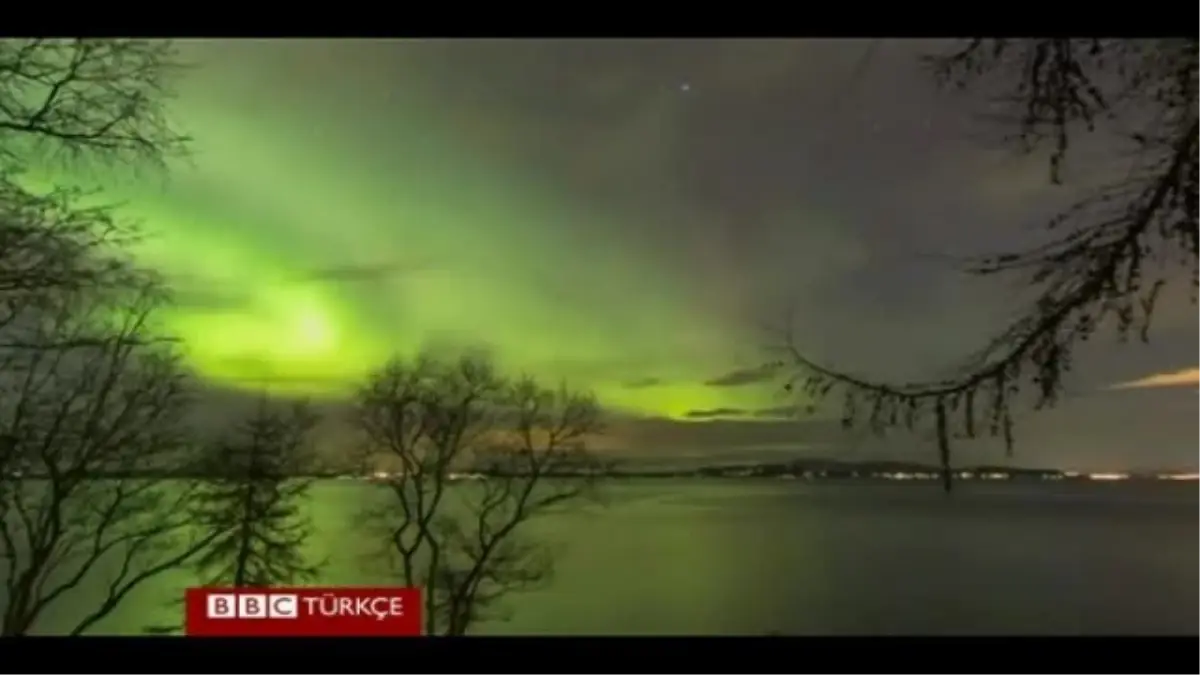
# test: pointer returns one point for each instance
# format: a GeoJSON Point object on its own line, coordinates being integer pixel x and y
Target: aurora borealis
{"type": "Point", "coordinates": [574, 210]}
{"type": "Point", "coordinates": [461, 250]}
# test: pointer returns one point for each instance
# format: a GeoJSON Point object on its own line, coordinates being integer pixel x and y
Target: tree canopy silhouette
{"type": "Point", "coordinates": [86, 494]}
{"type": "Point", "coordinates": [91, 98]}
{"type": "Point", "coordinates": [464, 543]}
{"type": "Point", "coordinates": [1109, 256]}
{"type": "Point", "coordinates": [78, 100]}
{"type": "Point", "coordinates": [253, 500]}
{"type": "Point", "coordinates": [90, 399]}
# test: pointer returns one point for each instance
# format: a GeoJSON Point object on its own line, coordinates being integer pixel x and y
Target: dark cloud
{"type": "Point", "coordinates": [714, 413]}
{"type": "Point", "coordinates": [781, 412]}
{"type": "Point", "coordinates": [207, 294]}
{"type": "Point", "coordinates": [208, 298]}
{"type": "Point", "coordinates": [703, 435]}
{"type": "Point", "coordinates": [362, 273]}
{"type": "Point", "coordinates": [745, 376]}
{"type": "Point", "coordinates": [254, 373]}
{"type": "Point", "coordinates": [643, 383]}
{"type": "Point", "coordinates": [204, 294]}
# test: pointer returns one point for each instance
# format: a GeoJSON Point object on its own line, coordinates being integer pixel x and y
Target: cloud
{"type": "Point", "coordinates": [643, 383]}
{"type": "Point", "coordinates": [717, 436]}
{"type": "Point", "coordinates": [739, 378]}
{"type": "Point", "coordinates": [210, 299]}
{"type": "Point", "coordinates": [252, 373]}
{"type": "Point", "coordinates": [715, 413]}
{"type": "Point", "coordinates": [781, 412]}
{"type": "Point", "coordinates": [1187, 377]}
{"type": "Point", "coordinates": [361, 273]}
{"type": "Point", "coordinates": [206, 294]}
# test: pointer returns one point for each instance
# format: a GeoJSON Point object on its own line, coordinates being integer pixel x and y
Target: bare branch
{"type": "Point", "coordinates": [88, 98]}
{"type": "Point", "coordinates": [98, 99]}
{"type": "Point", "coordinates": [90, 398]}
{"type": "Point", "coordinates": [48, 246]}
{"type": "Point", "coordinates": [95, 435]}
{"type": "Point", "coordinates": [1112, 253]}
{"type": "Point", "coordinates": [518, 451]}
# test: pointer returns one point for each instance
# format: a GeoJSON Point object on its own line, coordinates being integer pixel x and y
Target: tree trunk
{"type": "Point", "coordinates": [944, 449]}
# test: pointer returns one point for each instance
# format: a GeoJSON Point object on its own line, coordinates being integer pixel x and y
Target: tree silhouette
{"type": "Point", "coordinates": [1110, 255]}
{"type": "Point", "coordinates": [90, 398]}
{"type": "Point", "coordinates": [462, 543]}
{"type": "Point", "coordinates": [96, 100]}
{"type": "Point", "coordinates": [88, 499]}
{"type": "Point", "coordinates": [253, 501]}
{"type": "Point", "coordinates": [92, 99]}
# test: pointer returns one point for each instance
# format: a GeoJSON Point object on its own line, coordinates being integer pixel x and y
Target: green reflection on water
{"type": "Point", "coordinates": [648, 558]}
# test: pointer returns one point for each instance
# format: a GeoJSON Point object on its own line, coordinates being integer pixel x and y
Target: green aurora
{"type": "Point", "coordinates": [289, 185]}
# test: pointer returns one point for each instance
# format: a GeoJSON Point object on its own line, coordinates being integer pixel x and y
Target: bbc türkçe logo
{"type": "Point", "coordinates": [303, 611]}
{"type": "Point", "coordinates": [252, 606]}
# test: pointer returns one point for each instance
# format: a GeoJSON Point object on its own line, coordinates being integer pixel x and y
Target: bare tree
{"type": "Point", "coordinates": [89, 98]}
{"type": "Point", "coordinates": [257, 481]}
{"type": "Point", "coordinates": [89, 500]}
{"type": "Point", "coordinates": [87, 395]}
{"type": "Point", "coordinates": [48, 247]}
{"type": "Point", "coordinates": [77, 99]}
{"type": "Point", "coordinates": [431, 423]}
{"type": "Point", "coordinates": [1109, 256]}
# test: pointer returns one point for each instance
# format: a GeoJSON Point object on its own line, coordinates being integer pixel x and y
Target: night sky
{"type": "Point", "coordinates": [631, 217]}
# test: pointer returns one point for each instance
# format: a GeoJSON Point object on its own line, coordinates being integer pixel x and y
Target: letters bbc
{"type": "Point", "coordinates": [303, 611]}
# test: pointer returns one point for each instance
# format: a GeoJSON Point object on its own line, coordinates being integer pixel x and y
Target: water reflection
{"type": "Point", "coordinates": [736, 557]}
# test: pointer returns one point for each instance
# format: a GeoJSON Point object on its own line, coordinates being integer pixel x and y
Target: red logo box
{"type": "Point", "coordinates": [313, 612]}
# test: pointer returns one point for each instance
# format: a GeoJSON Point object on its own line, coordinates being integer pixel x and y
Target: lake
{"type": "Point", "coordinates": [758, 556]}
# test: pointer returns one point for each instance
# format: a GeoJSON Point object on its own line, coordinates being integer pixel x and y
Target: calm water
{"type": "Point", "coordinates": [729, 557]}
